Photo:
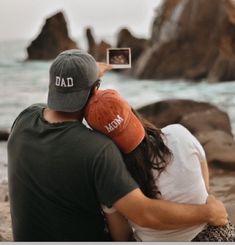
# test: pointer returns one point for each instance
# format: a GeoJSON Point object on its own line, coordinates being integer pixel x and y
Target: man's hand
{"type": "Point", "coordinates": [218, 212]}
{"type": "Point", "coordinates": [102, 68]}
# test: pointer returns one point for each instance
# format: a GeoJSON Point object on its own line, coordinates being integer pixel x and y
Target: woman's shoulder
{"type": "Point", "coordinates": [178, 134]}
{"type": "Point", "coordinates": [177, 129]}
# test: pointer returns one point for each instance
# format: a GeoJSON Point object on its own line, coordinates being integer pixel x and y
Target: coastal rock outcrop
{"type": "Point", "coordinates": [210, 125]}
{"type": "Point", "coordinates": [97, 50]}
{"type": "Point", "coordinates": [219, 147]}
{"type": "Point", "coordinates": [207, 120]}
{"type": "Point", "coordinates": [52, 40]}
{"type": "Point", "coordinates": [126, 39]}
{"type": "Point", "coordinates": [191, 39]}
{"type": "Point", "coordinates": [4, 135]}
{"type": "Point", "coordinates": [196, 116]}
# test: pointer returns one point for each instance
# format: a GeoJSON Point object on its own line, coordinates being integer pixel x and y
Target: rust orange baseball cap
{"type": "Point", "coordinates": [108, 113]}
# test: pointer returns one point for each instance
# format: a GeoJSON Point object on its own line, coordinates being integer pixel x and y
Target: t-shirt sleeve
{"type": "Point", "coordinates": [199, 149]}
{"type": "Point", "coordinates": [194, 143]}
{"type": "Point", "coordinates": [112, 179]}
{"type": "Point", "coordinates": [34, 106]}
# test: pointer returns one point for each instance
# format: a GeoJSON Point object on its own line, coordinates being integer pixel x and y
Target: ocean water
{"type": "Point", "coordinates": [24, 83]}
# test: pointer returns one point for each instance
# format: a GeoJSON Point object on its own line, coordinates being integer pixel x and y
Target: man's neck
{"type": "Point", "coordinates": [59, 117]}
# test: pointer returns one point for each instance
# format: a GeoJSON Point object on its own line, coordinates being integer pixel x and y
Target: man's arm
{"type": "Point", "coordinates": [119, 227]}
{"type": "Point", "coordinates": [164, 215]}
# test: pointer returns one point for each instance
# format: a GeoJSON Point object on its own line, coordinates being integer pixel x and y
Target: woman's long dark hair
{"type": "Point", "coordinates": [151, 154]}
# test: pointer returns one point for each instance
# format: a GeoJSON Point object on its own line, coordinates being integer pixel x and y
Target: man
{"type": "Point", "coordinates": [60, 172]}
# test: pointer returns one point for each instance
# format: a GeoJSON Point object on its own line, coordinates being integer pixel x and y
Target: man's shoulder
{"type": "Point", "coordinates": [100, 140]}
{"type": "Point", "coordinates": [32, 108]}
{"type": "Point", "coordinates": [35, 108]}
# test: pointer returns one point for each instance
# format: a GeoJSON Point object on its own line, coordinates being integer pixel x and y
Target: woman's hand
{"type": "Point", "coordinates": [102, 68]}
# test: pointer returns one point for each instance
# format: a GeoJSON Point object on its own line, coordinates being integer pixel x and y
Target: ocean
{"type": "Point", "coordinates": [23, 83]}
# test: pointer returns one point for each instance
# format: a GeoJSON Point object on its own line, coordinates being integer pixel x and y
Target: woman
{"type": "Point", "coordinates": [167, 164]}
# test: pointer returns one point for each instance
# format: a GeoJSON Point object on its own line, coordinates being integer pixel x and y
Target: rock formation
{"type": "Point", "coordinates": [4, 135]}
{"type": "Point", "coordinates": [210, 125]}
{"type": "Point", "coordinates": [97, 50]}
{"type": "Point", "coordinates": [52, 40]}
{"type": "Point", "coordinates": [219, 147]}
{"type": "Point", "coordinates": [125, 39]}
{"type": "Point", "coordinates": [191, 39]}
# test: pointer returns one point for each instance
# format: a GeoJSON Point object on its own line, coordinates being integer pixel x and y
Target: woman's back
{"type": "Point", "coordinates": [180, 182]}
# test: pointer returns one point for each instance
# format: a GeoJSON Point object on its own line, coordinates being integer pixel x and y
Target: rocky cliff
{"type": "Point", "coordinates": [52, 39]}
{"type": "Point", "coordinates": [191, 39]}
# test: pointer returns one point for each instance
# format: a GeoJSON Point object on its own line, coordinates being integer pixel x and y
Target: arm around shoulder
{"type": "Point", "coordinates": [165, 215]}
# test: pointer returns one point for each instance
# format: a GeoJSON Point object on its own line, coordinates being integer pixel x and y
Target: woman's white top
{"type": "Point", "coordinates": [180, 182]}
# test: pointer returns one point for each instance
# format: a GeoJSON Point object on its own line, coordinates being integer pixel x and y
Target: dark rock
{"type": "Point", "coordinates": [219, 147]}
{"type": "Point", "coordinates": [209, 124]}
{"type": "Point", "coordinates": [97, 50]}
{"type": "Point", "coordinates": [172, 111]}
{"type": "Point", "coordinates": [4, 135]}
{"type": "Point", "coordinates": [191, 39]}
{"type": "Point", "coordinates": [208, 120]}
{"type": "Point", "coordinates": [127, 40]}
{"type": "Point", "coordinates": [6, 199]}
{"type": "Point", "coordinates": [91, 42]}
{"type": "Point", "coordinates": [3, 192]}
{"type": "Point", "coordinates": [52, 40]}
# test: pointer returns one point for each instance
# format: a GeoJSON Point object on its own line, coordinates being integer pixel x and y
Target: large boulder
{"type": "Point", "coordinates": [191, 39]}
{"type": "Point", "coordinates": [172, 111]}
{"type": "Point", "coordinates": [52, 40]}
{"type": "Point", "coordinates": [219, 147]}
{"type": "Point", "coordinates": [210, 125]}
{"type": "Point", "coordinates": [208, 120]}
{"type": "Point", "coordinates": [97, 50]}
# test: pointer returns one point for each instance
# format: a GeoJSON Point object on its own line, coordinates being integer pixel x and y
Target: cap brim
{"type": "Point", "coordinates": [131, 136]}
{"type": "Point", "coordinates": [70, 102]}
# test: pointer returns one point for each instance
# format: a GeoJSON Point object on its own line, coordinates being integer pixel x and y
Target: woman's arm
{"type": "Point", "coordinates": [205, 173]}
{"type": "Point", "coordinates": [118, 225]}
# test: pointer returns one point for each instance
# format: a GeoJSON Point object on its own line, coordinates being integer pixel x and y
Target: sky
{"type": "Point", "coordinates": [22, 19]}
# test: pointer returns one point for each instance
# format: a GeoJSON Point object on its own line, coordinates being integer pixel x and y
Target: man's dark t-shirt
{"type": "Point", "coordinates": [59, 174]}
